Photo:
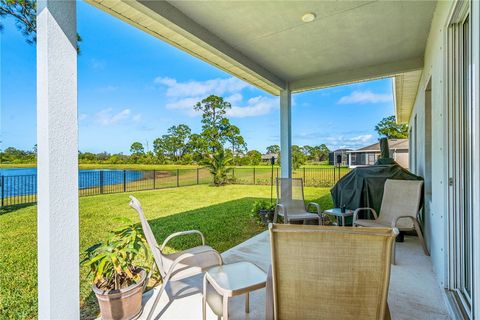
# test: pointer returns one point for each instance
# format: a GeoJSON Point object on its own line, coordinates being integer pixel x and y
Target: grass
{"type": "Point", "coordinates": [221, 213]}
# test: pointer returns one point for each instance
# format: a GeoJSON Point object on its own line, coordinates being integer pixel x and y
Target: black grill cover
{"type": "Point", "coordinates": [363, 186]}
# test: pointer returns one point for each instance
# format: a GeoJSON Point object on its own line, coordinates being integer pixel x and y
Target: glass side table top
{"type": "Point", "coordinates": [338, 212]}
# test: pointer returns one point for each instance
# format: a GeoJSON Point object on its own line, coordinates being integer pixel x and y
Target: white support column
{"type": "Point", "coordinates": [57, 133]}
{"type": "Point", "coordinates": [286, 133]}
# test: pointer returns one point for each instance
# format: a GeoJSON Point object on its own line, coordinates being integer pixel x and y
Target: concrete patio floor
{"type": "Point", "coordinates": [413, 294]}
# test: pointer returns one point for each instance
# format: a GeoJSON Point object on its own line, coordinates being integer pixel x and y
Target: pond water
{"type": "Point", "coordinates": [23, 181]}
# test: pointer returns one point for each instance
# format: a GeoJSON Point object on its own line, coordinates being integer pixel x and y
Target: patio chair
{"type": "Point", "coordinates": [179, 265]}
{"type": "Point", "coordinates": [399, 209]}
{"type": "Point", "coordinates": [322, 272]}
{"type": "Point", "coordinates": [291, 203]}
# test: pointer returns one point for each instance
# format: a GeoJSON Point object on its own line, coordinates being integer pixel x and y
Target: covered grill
{"type": "Point", "coordinates": [363, 186]}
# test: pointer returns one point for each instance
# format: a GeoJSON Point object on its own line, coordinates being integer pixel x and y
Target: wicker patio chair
{"type": "Point", "coordinates": [399, 209]}
{"type": "Point", "coordinates": [291, 203]}
{"type": "Point", "coordinates": [179, 265]}
{"type": "Point", "coordinates": [321, 272]}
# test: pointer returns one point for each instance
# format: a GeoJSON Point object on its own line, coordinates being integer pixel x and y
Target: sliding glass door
{"type": "Point", "coordinates": [460, 161]}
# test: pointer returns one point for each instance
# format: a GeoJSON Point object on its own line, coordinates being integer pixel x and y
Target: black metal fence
{"type": "Point", "coordinates": [22, 189]}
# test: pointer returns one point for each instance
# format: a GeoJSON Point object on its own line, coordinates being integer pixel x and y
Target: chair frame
{"type": "Point", "coordinates": [394, 223]}
{"type": "Point", "coordinates": [167, 274]}
{"type": "Point", "coordinates": [271, 312]}
{"type": "Point", "coordinates": [281, 210]}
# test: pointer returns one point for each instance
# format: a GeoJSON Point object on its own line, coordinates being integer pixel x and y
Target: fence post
{"type": "Point", "coordinates": [254, 175]}
{"type": "Point", "coordinates": [304, 180]}
{"type": "Point", "coordinates": [154, 178]}
{"type": "Point", "coordinates": [334, 175]}
{"type": "Point", "coordinates": [178, 178]}
{"type": "Point", "coordinates": [124, 180]}
{"type": "Point", "coordinates": [198, 169]}
{"type": "Point", "coordinates": [3, 187]}
{"type": "Point", "coordinates": [101, 182]}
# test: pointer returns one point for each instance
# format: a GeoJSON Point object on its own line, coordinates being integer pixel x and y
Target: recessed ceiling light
{"type": "Point", "coordinates": [308, 17]}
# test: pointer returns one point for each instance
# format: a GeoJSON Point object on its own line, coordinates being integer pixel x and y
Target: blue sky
{"type": "Point", "coordinates": [132, 87]}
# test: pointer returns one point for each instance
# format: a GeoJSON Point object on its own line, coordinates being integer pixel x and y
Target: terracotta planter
{"type": "Point", "coordinates": [124, 304]}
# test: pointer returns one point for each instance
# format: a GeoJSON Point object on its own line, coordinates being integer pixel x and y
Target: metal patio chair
{"type": "Point", "coordinates": [291, 203]}
{"type": "Point", "coordinates": [399, 209]}
{"type": "Point", "coordinates": [325, 272]}
{"type": "Point", "coordinates": [178, 265]}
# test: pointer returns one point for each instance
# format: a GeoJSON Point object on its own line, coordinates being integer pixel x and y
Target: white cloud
{"type": "Point", "coordinates": [256, 106]}
{"type": "Point", "coordinates": [336, 141]}
{"type": "Point", "coordinates": [234, 98]}
{"type": "Point", "coordinates": [108, 117]}
{"type": "Point", "coordinates": [82, 116]}
{"type": "Point", "coordinates": [184, 95]}
{"type": "Point", "coordinates": [351, 142]}
{"type": "Point", "coordinates": [193, 88]}
{"type": "Point", "coordinates": [365, 97]}
{"type": "Point", "coordinates": [185, 104]}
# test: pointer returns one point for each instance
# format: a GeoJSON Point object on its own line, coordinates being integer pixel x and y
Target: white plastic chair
{"type": "Point", "coordinates": [291, 202]}
{"type": "Point", "coordinates": [178, 265]}
{"type": "Point", "coordinates": [400, 208]}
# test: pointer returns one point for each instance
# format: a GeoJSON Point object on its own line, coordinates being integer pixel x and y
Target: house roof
{"type": "Point", "coordinates": [268, 156]}
{"type": "Point", "coordinates": [392, 144]}
{"type": "Point", "coordinates": [267, 44]}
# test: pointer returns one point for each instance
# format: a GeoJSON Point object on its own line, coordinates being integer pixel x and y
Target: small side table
{"type": "Point", "coordinates": [231, 280]}
{"type": "Point", "coordinates": [337, 212]}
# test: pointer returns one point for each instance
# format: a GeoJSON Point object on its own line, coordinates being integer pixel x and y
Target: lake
{"type": "Point", "coordinates": [23, 181]}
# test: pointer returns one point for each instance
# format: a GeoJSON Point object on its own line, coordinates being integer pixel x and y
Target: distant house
{"type": "Point", "coordinates": [267, 156]}
{"type": "Point", "coordinates": [332, 157]}
{"type": "Point", "coordinates": [368, 155]}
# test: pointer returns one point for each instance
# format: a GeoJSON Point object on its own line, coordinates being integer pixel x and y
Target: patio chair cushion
{"type": "Point", "coordinates": [302, 215]}
{"type": "Point", "coordinates": [377, 223]}
{"type": "Point", "coordinates": [203, 258]}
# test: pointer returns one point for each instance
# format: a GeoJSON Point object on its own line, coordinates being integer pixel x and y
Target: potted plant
{"type": "Point", "coordinates": [263, 211]}
{"type": "Point", "coordinates": [117, 281]}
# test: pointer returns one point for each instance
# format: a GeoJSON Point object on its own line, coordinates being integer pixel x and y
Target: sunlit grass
{"type": "Point", "coordinates": [221, 213]}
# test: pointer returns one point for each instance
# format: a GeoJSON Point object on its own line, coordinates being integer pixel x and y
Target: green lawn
{"type": "Point", "coordinates": [221, 213]}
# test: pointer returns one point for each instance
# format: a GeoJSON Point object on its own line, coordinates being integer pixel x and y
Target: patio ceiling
{"type": "Point", "coordinates": [267, 44]}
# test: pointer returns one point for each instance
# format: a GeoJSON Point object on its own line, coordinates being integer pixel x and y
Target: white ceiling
{"type": "Point", "coordinates": [345, 35]}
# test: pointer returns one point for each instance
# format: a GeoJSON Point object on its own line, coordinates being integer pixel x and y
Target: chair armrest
{"type": "Point", "coordinates": [182, 233]}
{"type": "Point", "coordinates": [279, 207]}
{"type": "Point", "coordinates": [355, 213]}
{"type": "Point", "coordinates": [395, 220]}
{"type": "Point", "coordinates": [316, 205]}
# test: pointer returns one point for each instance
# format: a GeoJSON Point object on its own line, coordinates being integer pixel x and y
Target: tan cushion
{"type": "Point", "coordinates": [370, 223]}
{"type": "Point", "coordinates": [204, 257]}
{"type": "Point", "coordinates": [300, 215]}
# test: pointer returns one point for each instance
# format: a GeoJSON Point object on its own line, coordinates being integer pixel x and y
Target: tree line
{"type": "Point", "coordinates": [219, 140]}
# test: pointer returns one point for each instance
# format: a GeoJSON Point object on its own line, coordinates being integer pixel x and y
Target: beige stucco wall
{"type": "Point", "coordinates": [401, 157]}
{"type": "Point", "coordinates": [435, 202]}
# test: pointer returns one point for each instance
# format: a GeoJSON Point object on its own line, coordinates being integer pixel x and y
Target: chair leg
{"type": "Point", "coordinates": [394, 245]}
{"type": "Point", "coordinates": [155, 303]}
{"type": "Point", "coordinates": [204, 299]}
{"type": "Point", "coordinates": [225, 307]}
{"type": "Point", "coordinates": [157, 299]}
{"type": "Point", "coordinates": [420, 236]}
